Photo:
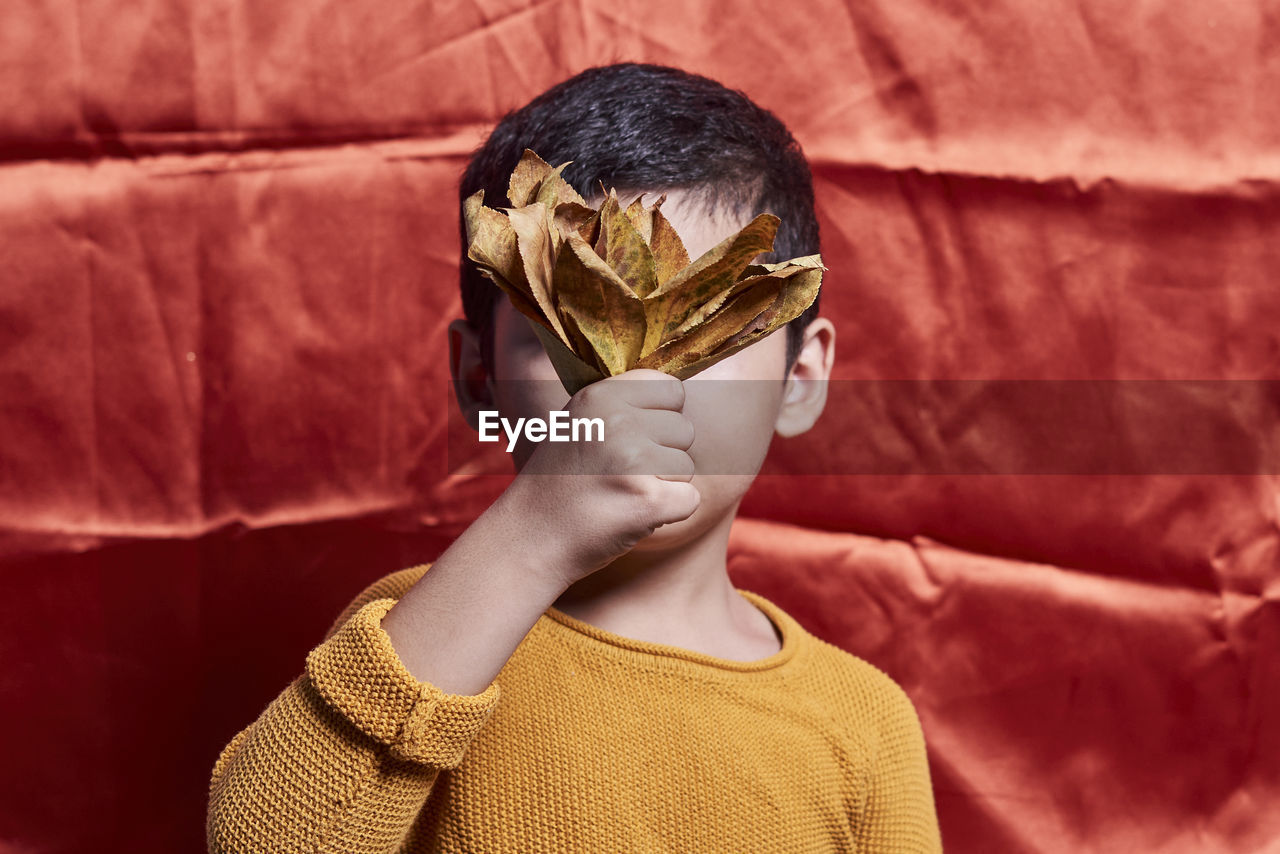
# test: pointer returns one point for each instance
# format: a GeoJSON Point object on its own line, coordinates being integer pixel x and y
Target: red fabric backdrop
{"type": "Point", "coordinates": [229, 242]}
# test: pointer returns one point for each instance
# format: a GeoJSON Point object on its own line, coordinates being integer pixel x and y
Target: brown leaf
{"type": "Point", "coordinates": [570, 216]}
{"type": "Point", "coordinates": [606, 311]}
{"type": "Point", "coordinates": [529, 172]}
{"type": "Point", "coordinates": [712, 305]}
{"type": "Point", "coordinates": [796, 296]}
{"type": "Point", "coordinates": [492, 245]}
{"type": "Point", "coordinates": [612, 289]}
{"type": "Point", "coordinates": [622, 247]}
{"type": "Point", "coordinates": [813, 262]}
{"type": "Point", "coordinates": [750, 277]}
{"type": "Point", "coordinates": [780, 298]}
{"type": "Point", "coordinates": [667, 308]}
{"type": "Point", "coordinates": [642, 217]}
{"type": "Point", "coordinates": [533, 229]}
{"type": "Point", "coordinates": [590, 229]}
{"type": "Point", "coordinates": [554, 190]}
{"type": "Point", "coordinates": [693, 349]}
{"type": "Point", "coordinates": [573, 372]}
{"type": "Point", "coordinates": [668, 249]}
{"type": "Point", "coordinates": [580, 343]}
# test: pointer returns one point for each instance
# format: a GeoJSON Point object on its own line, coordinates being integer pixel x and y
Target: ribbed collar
{"type": "Point", "coordinates": [687, 660]}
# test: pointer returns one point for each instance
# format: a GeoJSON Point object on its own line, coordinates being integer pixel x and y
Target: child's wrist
{"type": "Point", "coordinates": [545, 561]}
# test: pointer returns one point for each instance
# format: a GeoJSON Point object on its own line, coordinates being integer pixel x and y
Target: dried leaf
{"type": "Point", "coordinates": [622, 246]}
{"type": "Point", "coordinates": [642, 217]}
{"type": "Point", "coordinates": [554, 190]}
{"type": "Point", "coordinates": [751, 276]}
{"type": "Point", "coordinates": [590, 229]}
{"type": "Point", "coordinates": [790, 303]}
{"type": "Point", "coordinates": [667, 308]}
{"type": "Point", "coordinates": [522, 189]}
{"type": "Point", "coordinates": [538, 254]}
{"type": "Point", "coordinates": [703, 342]}
{"type": "Point", "coordinates": [704, 347]}
{"type": "Point", "coordinates": [581, 219]}
{"type": "Point", "coordinates": [668, 248]}
{"type": "Point", "coordinates": [606, 311]}
{"type": "Point", "coordinates": [612, 289]}
{"type": "Point", "coordinates": [573, 372]}
{"type": "Point", "coordinates": [493, 247]}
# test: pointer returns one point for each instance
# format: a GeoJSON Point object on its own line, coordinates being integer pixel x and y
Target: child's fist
{"type": "Point", "coordinates": [599, 498]}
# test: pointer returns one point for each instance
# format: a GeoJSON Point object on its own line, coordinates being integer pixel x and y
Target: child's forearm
{"type": "Point", "coordinates": [461, 622]}
{"type": "Point", "coordinates": [574, 508]}
{"type": "Point", "coordinates": [302, 778]}
{"type": "Point", "coordinates": [346, 757]}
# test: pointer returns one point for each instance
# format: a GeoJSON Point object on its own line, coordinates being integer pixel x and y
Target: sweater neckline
{"type": "Point", "coordinates": [679, 656]}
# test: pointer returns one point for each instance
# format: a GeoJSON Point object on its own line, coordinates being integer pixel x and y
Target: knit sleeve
{"type": "Point", "coordinates": [346, 757]}
{"type": "Point", "coordinates": [900, 815]}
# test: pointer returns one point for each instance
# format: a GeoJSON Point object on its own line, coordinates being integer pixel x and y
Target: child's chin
{"type": "Point", "coordinates": [720, 498]}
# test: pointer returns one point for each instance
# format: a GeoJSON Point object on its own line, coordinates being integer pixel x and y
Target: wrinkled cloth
{"type": "Point", "coordinates": [229, 239]}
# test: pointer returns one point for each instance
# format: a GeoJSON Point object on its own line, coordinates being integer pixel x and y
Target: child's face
{"type": "Point", "coordinates": [733, 404]}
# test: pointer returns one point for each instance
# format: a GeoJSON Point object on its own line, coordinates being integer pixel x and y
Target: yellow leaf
{"type": "Point", "coordinates": [700, 344]}
{"type": "Point", "coordinates": [623, 248]}
{"type": "Point", "coordinates": [573, 372]}
{"type": "Point", "coordinates": [554, 190]}
{"type": "Point", "coordinates": [667, 308]}
{"type": "Point", "coordinates": [751, 276]}
{"type": "Point", "coordinates": [529, 172]}
{"type": "Point", "coordinates": [604, 309]}
{"type": "Point", "coordinates": [642, 217]}
{"type": "Point", "coordinates": [538, 254]}
{"type": "Point", "coordinates": [767, 304]}
{"type": "Point", "coordinates": [491, 244]}
{"type": "Point", "coordinates": [612, 289]}
{"type": "Point", "coordinates": [668, 248]}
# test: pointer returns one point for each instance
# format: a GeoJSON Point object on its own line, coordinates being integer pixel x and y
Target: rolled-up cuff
{"type": "Point", "coordinates": [358, 672]}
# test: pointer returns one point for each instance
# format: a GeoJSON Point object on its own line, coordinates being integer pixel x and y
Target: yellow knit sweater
{"type": "Point", "coordinates": [599, 744]}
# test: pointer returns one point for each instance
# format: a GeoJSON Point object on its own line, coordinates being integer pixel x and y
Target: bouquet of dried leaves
{"type": "Point", "coordinates": [613, 289]}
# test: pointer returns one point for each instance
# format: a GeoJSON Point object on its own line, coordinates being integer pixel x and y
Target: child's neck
{"type": "Point", "coordinates": [679, 597]}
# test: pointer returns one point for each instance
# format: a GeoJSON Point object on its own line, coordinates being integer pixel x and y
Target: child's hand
{"type": "Point", "coordinates": [592, 501]}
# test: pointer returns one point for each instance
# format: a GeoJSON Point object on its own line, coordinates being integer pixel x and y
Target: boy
{"type": "Point", "coordinates": [646, 705]}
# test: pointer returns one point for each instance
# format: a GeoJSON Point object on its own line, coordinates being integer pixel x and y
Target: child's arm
{"type": "Point", "coordinates": [574, 507]}
{"type": "Point", "coordinates": [346, 757]}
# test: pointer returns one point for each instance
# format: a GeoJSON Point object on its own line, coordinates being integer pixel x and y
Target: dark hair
{"type": "Point", "coordinates": [650, 128]}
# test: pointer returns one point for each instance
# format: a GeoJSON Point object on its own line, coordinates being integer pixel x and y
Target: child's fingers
{"type": "Point", "coordinates": [680, 500]}
{"type": "Point", "coordinates": [670, 429]}
{"type": "Point", "coordinates": [670, 464]}
{"type": "Point", "coordinates": [646, 389]}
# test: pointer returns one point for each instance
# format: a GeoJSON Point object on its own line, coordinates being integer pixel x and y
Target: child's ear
{"type": "Point", "coordinates": [471, 382]}
{"type": "Point", "coordinates": [806, 392]}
